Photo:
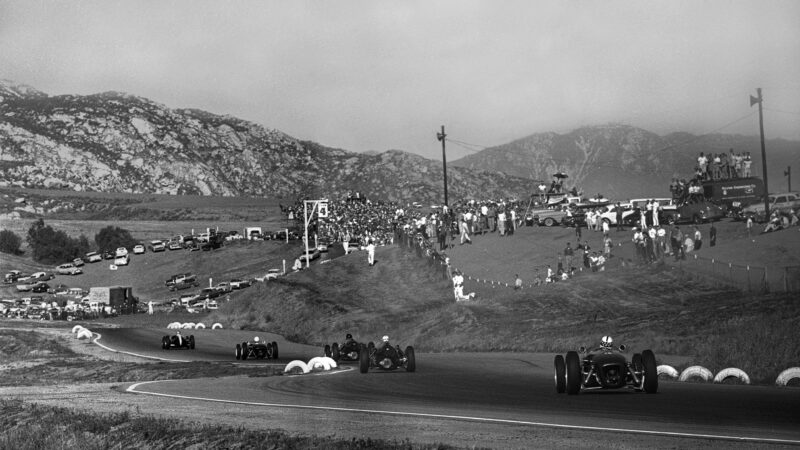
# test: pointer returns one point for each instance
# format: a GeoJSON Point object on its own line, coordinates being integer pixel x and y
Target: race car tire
{"type": "Point", "coordinates": [363, 362]}
{"type": "Point", "coordinates": [560, 370]}
{"type": "Point", "coordinates": [787, 375]}
{"type": "Point", "coordinates": [165, 342]}
{"type": "Point", "coordinates": [319, 363]}
{"type": "Point", "coordinates": [244, 351]}
{"type": "Point", "coordinates": [696, 371]}
{"type": "Point", "coordinates": [668, 371]}
{"type": "Point", "coordinates": [327, 351]}
{"type": "Point", "coordinates": [297, 364]}
{"type": "Point", "coordinates": [238, 351]}
{"type": "Point", "coordinates": [335, 352]}
{"type": "Point", "coordinates": [216, 325]}
{"type": "Point", "coordinates": [191, 342]}
{"type": "Point", "coordinates": [411, 364]}
{"type": "Point", "coordinates": [200, 325]}
{"type": "Point", "coordinates": [650, 383]}
{"type": "Point", "coordinates": [76, 328]}
{"type": "Point", "coordinates": [636, 364]}
{"type": "Point", "coordinates": [731, 372]}
{"type": "Point", "coordinates": [573, 381]}
{"type": "Point", "coordinates": [274, 350]}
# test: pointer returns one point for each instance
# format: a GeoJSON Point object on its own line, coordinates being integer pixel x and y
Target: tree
{"type": "Point", "coordinates": [54, 247]}
{"type": "Point", "coordinates": [10, 242]}
{"type": "Point", "coordinates": [110, 238]}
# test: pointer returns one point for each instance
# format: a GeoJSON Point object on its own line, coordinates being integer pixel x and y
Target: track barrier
{"type": "Point", "coordinates": [668, 371]}
{"type": "Point", "coordinates": [200, 325]}
{"type": "Point", "coordinates": [84, 333]}
{"type": "Point", "coordinates": [787, 375]}
{"type": "Point", "coordinates": [216, 325]}
{"type": "Point", "coordinates": [731, 372]}
{"type": "Point", "coordinates": [696, 371]}
{"type": "Point", "coordinates": [76, 329]}
{"type": "Point", "coordinates": [297, 364]}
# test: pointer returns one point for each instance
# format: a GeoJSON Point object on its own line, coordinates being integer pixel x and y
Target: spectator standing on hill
{"type": "Point", "coordinates": [618, 217]}
{"type": "Point", "coordinates": [517, 282]}
{"type": "Point", "coordinates": [656, 210]}
{"type": "Point", "coordinates": [661, 244]}
{"type": "Point", "coordinates": [698, 238]}
{"type": "Point", "coordinates": [749, 226]}
{"type": "Point", "coordinates": [484, 219]}
{"type": "Point", "coordinates": [568, 254]}
{"type": "Point", "coordinates": [492, 218]}
{"type": "Point", "coordinates": [712, 235]}
{"type": "Point", "coordinates": [606, 228]}
{"type": "Point", "coordinates": [607, 246]}
{"type": "Point", "coordinates": [716, 167]}
{"type": "Point", "coordinates": [501, 222]}
{"type": "Point", "coordinates": [585, 248]}
{"type": "Point", "coordinates": [746, 163]}
{"type": "Point", "coordinates": [702, 163]}
{"type": "Point", "coordinates": [676, 241]}
{"type": "Point", "coordinates": [578, 231]}
{"type": "Point", "coordinates": [150, 307]}
{"type": "Point", "coordinates": [511, 219]}
{"type": "Point", "coordinates": [465, 233]}
{"type": "Point", "coordinates": [371, 252]}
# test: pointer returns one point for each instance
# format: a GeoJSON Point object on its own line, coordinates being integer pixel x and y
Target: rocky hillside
{"type": "Point", "coordinates": [114, 142]}
{"type": "Point", "coordinates": [621, 161]}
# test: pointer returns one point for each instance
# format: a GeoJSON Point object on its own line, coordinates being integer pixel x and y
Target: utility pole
{"type": "Point", "coordinates": [753, 101]}
{"type": "Point", "coordinates": [441, 137]}
{"type": "Point", "coordinates": [788, 173]}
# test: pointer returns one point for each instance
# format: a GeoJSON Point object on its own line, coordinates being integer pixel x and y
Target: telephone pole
{"type": "Point", "coordinates": [788, 173]}
{"type": "Point", "coordinates": [441, 137]}
{"type": "Point", "coordinates": [753, 101]}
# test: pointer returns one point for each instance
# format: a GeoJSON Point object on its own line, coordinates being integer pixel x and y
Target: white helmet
{"type": "Point", "coordinates": [606, 341]}
{"type": "Point", "coordinates": [386, 339]}
{"type": "Point", "coordinates": [256, 339]}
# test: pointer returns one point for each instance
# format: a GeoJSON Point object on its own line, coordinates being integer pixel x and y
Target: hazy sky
{"type": "Point", "coordinates": [378, 75]}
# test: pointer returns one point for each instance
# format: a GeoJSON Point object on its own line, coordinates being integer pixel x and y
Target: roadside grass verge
{"type": "Point", "coordinates": [32, 426]}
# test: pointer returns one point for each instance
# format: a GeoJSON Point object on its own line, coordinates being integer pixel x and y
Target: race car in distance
{"type": "Point", "coordinates": [257, 349]}
{"type": "Point", "coordinates": [386, 357]}
{"type": "Point", "coordinates": [177, 341]}
{"type": "Point", "coordinates": [349, 351]}
{"type": "Point", "coordinates": [605, 368]}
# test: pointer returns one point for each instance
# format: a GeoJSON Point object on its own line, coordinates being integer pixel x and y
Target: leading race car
{"type": "Point", "coordinates": [257, 349]}
{"type": "Point", "coordinates": [177, 341]}
{"type": "Point", "coordinates": [605, 368]}
{"type": "Point", "coordinates": [350, 350]}
{"type": "Point", "coordinates": [386, 357]}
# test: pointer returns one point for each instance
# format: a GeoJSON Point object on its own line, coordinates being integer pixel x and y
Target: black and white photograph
{"type": "Point", "coordinates": [364, 224]}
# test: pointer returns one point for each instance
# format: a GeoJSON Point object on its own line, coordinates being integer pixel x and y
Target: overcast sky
{"type": "Point", "coordinates": [379, 75]}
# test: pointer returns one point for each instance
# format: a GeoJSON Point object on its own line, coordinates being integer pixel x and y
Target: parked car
{"type": "Point", "coordinates": [270, 275]}
{"type": "Point", "coordinates": [40, 287]}
{"type": "Point", "coordinates": [109, 255]}
{"type": "Point", "coordinates": [78, 262]}
{"type": "Point", "coordinates": [138, 249]}
{"type": "Point", "coordinates": [238, 283]}
{"type": "Point", "coordinates": [121, 251]}
{"type": "Point", "coordinates": [183, 285]}
{"type": "Point", "coordinates": [695, 209]}
{"type": "Point", "coordinates": [181, 278]}
{"type": "Point", "coordinates": [208, 293]}
{"type": "Point", "coordinates": [187, 299]}
{"type": "Point", "coordinates": [175, 245]}
{"type": "Point", "coordinates": [93, 257]}
{"type": "Point", "coordinates": [122, 260]}
{"type": "Point", "coordinates": [224, 287]}
{"type": "Point", "coordinates": [157, 246]}
{"type": "Point", "coordinates": [782, 203]}
{"type": "Point", "coordinates": [68, 269]}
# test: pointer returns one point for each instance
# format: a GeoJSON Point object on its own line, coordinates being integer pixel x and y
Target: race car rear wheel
{"type": "Point", "coordinates": [274, 350]}
{"type": "Point", "coordinates": [335, 352]}
{"type": "Point", "coordinates": [191, 342]}
{"type": "Point", "coordinates": [244, 351]}
{"type": "Point", "coordinates": [573, 381]}
{"type": "Point", "coordinates": [327, 351]}
{"type": "Point", "coordinates": [363, 362]}
{"type": "Point", "coordinates": [238, 351]}
{"type": "Point", "coordinates": [560, 369]}
{"type": "Point", "coordinates": [650, 383]}
{"type": "Point", "coordinates": [411, 364]}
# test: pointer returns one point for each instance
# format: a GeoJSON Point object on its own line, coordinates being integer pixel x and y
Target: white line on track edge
{"type": "Point", "coordinates": [132, 389]}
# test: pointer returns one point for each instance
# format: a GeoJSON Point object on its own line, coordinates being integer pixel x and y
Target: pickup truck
{"type": "Point", "coordinates": [785, 203]}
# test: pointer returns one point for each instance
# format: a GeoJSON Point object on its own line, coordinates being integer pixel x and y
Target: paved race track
{"type": "Point", "coordinates": [486, 390]}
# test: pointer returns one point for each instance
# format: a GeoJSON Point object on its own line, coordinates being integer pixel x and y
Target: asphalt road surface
{"type": "Point", "coordinates": [485, 391]}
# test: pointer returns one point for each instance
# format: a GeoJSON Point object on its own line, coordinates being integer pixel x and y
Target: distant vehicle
{"type": "Point", "coordinates": [735, 193]}
{"type": "Point", "coordinates": [187, 299]}
{"type": "Point", "coordinates": [175, 245]}
{"type": "Point", "coordinates": [181, 278]}
{"type": "Point", "coordinates": [350, 350]}
{"type": "Point", "coordinates": [40, 287]}
{"type": "Point", "coordinates": [630, 215]}
{"type": "Point", "coordinates": [157, 246]}
{"type": "Point", "coordinates": [270, 275]}
{"type": "Point", "coordinates": [695, 209]}
{"type": "Point", "coordinates": [28, 286]}
{"type": "Point", "coordinates": [257, 350]}
{"type": "Point", "coordinates": [313, 253]}
{"type": "Point", "coordinates": [238, 283]}
{"type": "Point", "coordinates": [183, 285]}
{"type": "Point", "coordinates": [208, 293]}
{"type": "Point", "coordinates": [41, 276]}
{"type": "Point", "coordinates": [13, 276]}
{"type": "Point", "coordinates": [68, 269]}
{"type": "Point", "coordinates": [605, 368]}
{"type": "Point", "coordinates": [93, 257]}
{"type": "Point", "coordinates": [78, 262]}
{"type": "Point", "coordinates": [109, 255]}
{"type": "Point", "coordinates": [224, 287]}
{"type": "Point", "coordinates": [122, 260]}
{"type": "Point", "coordinates": [386, 357]}
{"type": "Point", "coordinates": [138, 249]}
{"type": "Point", "coordinates": [121, 251]}
{"type": "Point", "coordinates": [177, 341]}
{"type": "Point", "coordinates": [782, 203]}
{"type": "Point", "coordinates": [61, 289]}
{"type": "Point", "coordinates": [253, 233]}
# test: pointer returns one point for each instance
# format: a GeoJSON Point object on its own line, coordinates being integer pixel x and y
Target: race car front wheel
{"type": "Point", "coordinates": [238, 351]}
{"type": "Point", "coordinates": [650, 372]}
{"type": "Point", "coordinates": [363, 362]}
{"type": "Point", "coordinates": [274, 350]}
{"type": "Point", "coordinates": [560, 370]}
{"type": "Point", "coordinates": [411, 364]}
{"type": "Point", "coordinates": [573, 381]}
{"type": "Point", "coordinates": [244, 351]}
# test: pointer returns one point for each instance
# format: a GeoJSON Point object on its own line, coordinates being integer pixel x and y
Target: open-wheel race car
{"type": "Point", "coordinates": [605, 368]}
{"type": "Point", "coordinates": [177, 341]}
{"type": "Point", "coordinates": [386, 357]}
{"type": "Point", "coordinates": [350, 350]}
{"type": "Point", "coordinates": [257, 350]}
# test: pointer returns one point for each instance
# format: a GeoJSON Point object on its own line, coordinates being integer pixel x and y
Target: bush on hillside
{"type": "Point", "coordinates": [49, 246]}
{"type": "Point", "coordinates": [10, 242]}
{"type": "Point", "coordinates": [110, 238]}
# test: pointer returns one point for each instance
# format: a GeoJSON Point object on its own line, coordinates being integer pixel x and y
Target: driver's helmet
{"type": "Point", "coordinates": [178, 333]}
{"type": "Point", "coordinates": [349, 336]}
{"type": "Point", "coordinates": [606, 342]}
{"type": "Point", "coordinates": [385, 339]}
{"type": "Point", "coordinates": [256, 339]}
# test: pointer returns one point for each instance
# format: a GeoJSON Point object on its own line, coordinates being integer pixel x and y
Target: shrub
{"type": "Point", "coordinates": [110, 238]}
{"type": "Point", "coordinates": [10, 242]}
{"type": "Point", "coordinates": [53, 247]}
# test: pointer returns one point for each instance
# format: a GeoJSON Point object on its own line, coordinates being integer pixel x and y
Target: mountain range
{"type": "Point", "coordinates": [116, 142]}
